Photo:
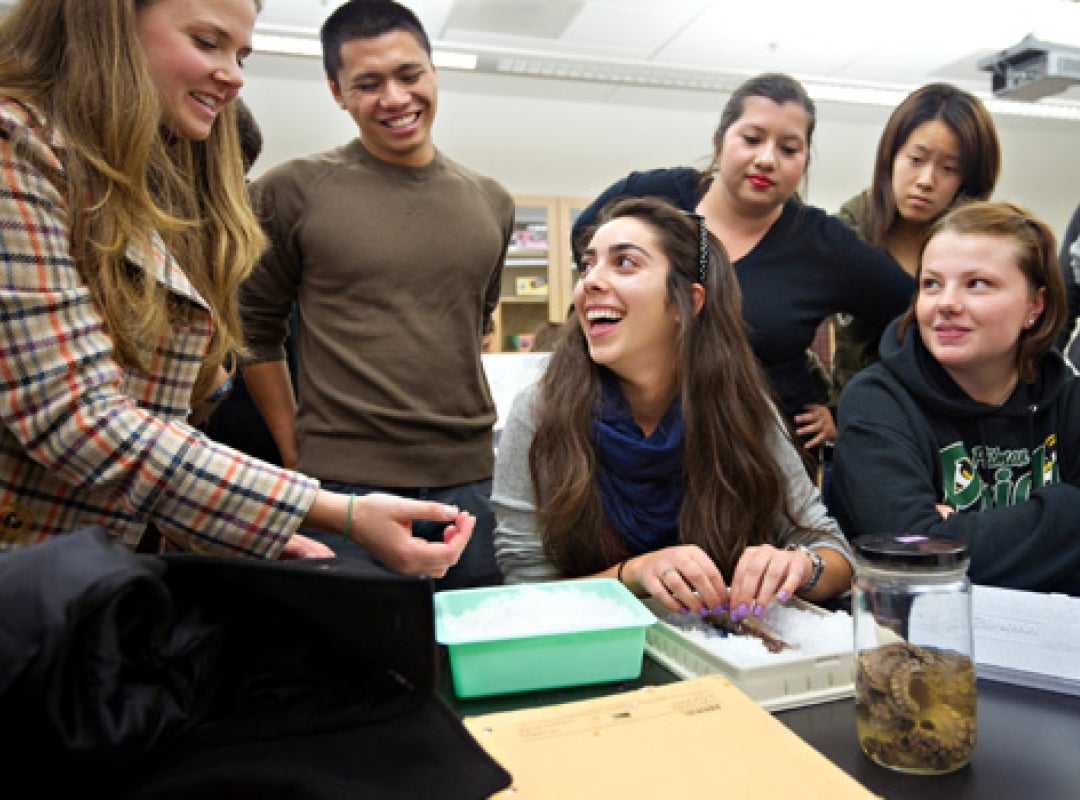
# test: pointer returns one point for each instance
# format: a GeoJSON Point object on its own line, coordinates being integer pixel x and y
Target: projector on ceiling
{"type": "Point", "coordinates": [1033, 69]}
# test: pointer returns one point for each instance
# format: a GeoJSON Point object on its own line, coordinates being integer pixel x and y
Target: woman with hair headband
{"type": "Point", "coordinates": [650, 450]}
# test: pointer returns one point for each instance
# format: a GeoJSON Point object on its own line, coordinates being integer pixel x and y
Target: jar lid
{"type": "Point", "coordinates": [912, 550]}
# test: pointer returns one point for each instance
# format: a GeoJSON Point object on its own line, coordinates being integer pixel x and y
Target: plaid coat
{"type": "Point", "coordinates": [84, 440]}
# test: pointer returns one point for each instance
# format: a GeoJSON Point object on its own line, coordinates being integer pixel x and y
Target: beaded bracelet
{"type": "Point", "coordinates": [348, 519]}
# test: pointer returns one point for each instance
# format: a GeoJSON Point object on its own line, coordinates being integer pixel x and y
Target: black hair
{"type": "Point", "coordinates": [365, 19]}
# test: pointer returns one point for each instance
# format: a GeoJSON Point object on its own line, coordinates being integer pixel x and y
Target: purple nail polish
{"type": "Point", "coordinates": [742, 610]}
{"type": "Point", "coordinates": [782, 595]}
{"type": "Point", "coordinates": [758, 610]}
{"type": "Point", "coordinates": [704, 611]}
{"type": "Point", "coordinates": [721, 609]}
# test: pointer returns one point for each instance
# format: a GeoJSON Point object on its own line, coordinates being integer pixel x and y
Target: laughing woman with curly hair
{"type": "Point", "coordinates": [651, 450]}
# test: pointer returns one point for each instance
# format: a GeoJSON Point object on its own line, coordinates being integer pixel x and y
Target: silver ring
{"type": "Point", "coordinates": [664, 572]}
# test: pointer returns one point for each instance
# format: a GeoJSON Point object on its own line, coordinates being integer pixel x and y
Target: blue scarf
{"type": "Point", "coordinates": [640, 476]}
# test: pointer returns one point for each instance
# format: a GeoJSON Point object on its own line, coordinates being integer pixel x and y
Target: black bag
{"type": "Point", "coordinates": [198, 676]}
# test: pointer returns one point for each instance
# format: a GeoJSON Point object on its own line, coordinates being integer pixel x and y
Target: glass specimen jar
{"type": "Point", "coordinates": [915, 676]}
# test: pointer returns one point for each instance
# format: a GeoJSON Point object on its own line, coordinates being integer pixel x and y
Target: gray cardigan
{"type": "Point", "coordinates": [519, 547]}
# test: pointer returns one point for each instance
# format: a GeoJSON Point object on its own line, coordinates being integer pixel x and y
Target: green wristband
{"type": "Point", "coordinates": [348, 518]}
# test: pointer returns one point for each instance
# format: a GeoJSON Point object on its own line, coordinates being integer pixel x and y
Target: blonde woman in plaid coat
{"type": "Point", "coordinates": [124, 233]}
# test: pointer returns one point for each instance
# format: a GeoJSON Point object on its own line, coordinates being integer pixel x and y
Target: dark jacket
{"type": "Point", "coordinates": [154, 678]}
{"type": "Point", "coordinates": [910, 438]}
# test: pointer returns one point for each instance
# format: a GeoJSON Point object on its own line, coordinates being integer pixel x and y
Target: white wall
{"type": "Point", "coordinates": [551, 137]}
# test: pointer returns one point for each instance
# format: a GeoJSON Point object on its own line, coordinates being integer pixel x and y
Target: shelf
{"type": "Point", "coordinates": [539, 253]}
{"type": "Point", "coordinates": [524, 298]}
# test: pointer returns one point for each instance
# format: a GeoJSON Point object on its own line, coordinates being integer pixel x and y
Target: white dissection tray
{"type": "Point", "coordinates": [785, 680]}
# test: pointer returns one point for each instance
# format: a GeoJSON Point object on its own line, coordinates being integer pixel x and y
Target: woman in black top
{"type": "Point", "coordinates": [795, 264]}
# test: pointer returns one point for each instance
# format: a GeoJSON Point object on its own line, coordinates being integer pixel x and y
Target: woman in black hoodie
{"type": "Point", "coordinates": [970, 425]}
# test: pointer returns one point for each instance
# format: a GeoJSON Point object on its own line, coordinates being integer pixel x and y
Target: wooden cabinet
{"type": "Point", "coordinates": [537, 284]}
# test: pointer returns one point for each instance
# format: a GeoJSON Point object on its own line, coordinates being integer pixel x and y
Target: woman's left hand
{"type": "Point", "coordinates": [815, 426]}
{"type": "Point", "coordinates": [763, 573]}
{"type": "Point", "coordinates": [302, 547]}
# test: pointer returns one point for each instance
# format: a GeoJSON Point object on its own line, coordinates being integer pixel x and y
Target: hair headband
{"type": "Point", "coordinates": [703, 245]}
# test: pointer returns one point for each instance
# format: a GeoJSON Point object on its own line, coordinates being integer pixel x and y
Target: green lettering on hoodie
{"type": "Point", "coordinates": [1014, 474]}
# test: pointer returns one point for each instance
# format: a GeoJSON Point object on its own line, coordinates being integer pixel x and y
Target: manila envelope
{"type": "Point", "coordinates": [697, 738]}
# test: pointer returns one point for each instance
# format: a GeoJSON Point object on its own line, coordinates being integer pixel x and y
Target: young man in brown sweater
{"type": "Point", "coordinates": [392, 254]}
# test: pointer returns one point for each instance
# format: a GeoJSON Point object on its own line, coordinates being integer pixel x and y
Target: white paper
{"type": "Point", "coordinates": [1028, 638]}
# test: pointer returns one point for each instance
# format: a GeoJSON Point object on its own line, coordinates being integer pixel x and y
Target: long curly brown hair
{"type": "Point", "coordinates": [734, 490]}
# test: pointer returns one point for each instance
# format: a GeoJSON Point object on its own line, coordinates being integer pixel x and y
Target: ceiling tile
{"type": "Point", "coordinates": [541, 19]}
{"type": "Point", "coordinates": [899, 45]}
{"type": "Point", "coordinates": [630, 28]}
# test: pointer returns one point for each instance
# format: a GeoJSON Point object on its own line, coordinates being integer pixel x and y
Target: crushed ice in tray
{"type": "Point", "coordinates": [535, 611]}
{"type": "Point", "coordinates": [814, 633]}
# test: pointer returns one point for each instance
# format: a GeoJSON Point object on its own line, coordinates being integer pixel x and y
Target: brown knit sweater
{"type": "Point", "coordinates": [395, 272]}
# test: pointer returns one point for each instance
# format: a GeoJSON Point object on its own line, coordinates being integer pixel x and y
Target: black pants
{"type": "Point", "coordinates": [477, 566]}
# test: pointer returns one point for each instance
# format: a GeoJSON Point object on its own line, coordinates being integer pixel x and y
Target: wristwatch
{"type": "Point", "coordinates": [817, 566]}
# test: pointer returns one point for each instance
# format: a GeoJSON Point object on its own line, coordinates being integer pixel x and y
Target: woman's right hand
{"type": "Point", "coordinates": [682, 578]}
{"type": "Point", "coordinates": [382, 525]}
{"type": "Point", "coordinates": [815, 426]}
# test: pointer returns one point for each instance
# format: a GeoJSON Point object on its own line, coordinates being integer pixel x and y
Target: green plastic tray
{"type": "Point", "coordinates": [487, 666]}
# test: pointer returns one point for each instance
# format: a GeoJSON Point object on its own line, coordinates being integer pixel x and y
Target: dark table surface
{"type": "Point", "coordinates": [1028, 740]}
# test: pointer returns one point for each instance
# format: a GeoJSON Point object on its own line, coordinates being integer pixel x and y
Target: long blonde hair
{"type": "Point", "coordinates": [80, 65]}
